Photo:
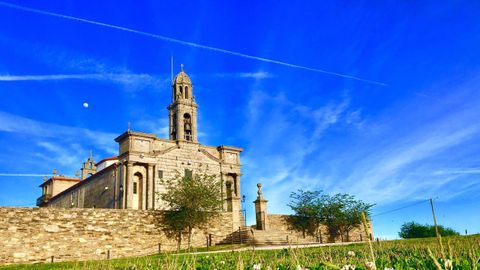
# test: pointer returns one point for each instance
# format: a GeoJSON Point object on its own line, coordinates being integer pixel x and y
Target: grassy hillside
{"type": "Point", "coordinates": [460, 252]}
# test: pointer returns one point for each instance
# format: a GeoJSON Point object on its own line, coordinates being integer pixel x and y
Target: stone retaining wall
{"type": "Point", "coordinates": [35, 234]}
{"type": "Point", "coordinates": [280, 223]}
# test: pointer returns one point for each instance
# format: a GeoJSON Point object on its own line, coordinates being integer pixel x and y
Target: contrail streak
{"type": "Point", "coordinates": [187, 43]}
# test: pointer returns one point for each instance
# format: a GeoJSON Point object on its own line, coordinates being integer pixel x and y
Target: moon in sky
{"type": "Point", "coordinates": [85, 105]}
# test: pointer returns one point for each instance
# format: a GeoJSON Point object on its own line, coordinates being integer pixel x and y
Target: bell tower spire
{"type": "Point", "coordinates": [183, 109]}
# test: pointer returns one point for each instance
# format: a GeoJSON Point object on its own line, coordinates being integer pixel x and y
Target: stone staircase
{"type": "Point", "coordinates": [241, 236]}
{"type": "Point", "coordinates": [269, 238]}
{"type": "Point", "coordinates": [248, 235]}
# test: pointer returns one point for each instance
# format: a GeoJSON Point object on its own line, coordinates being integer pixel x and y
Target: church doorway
{"type": "Point", "coordinates": [137, 191]}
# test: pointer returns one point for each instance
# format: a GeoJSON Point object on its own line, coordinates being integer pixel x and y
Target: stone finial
{"type": "Point", "coordinates": [181, 66]}
{"type": "Point", "coordinates": [54, 172]}
{"type": "Point", "coordinates": [259, 192]}
{"type": "Point", "coordinates": [77, 174]}
{"type": "Point", "coordinates": [44, 179]}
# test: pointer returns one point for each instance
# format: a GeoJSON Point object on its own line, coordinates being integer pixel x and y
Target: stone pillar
{"type": "Point", "coordinates": [129, 186]}
{"type": "Point", "coordinates": [236, 204]}
{"type": "Point", "coordinates": [144, 194]}
{"type": "Point", "coordinates": [150, 185]}
{"type": "Point", "coordinates": [261, 209]}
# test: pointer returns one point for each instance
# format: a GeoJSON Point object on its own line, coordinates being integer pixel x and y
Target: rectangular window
{"type": "Point", "coordinates": [160, 174]}
{"type": "Point", "coordinates": [188, 173]}
{"type": "Point", "coordinates": [134, 187]}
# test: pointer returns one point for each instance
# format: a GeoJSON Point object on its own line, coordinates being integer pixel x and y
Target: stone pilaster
{"type": "Point", "coordinates": [150, 186]}
{"type": "Point", "coordinates": [129, 186]}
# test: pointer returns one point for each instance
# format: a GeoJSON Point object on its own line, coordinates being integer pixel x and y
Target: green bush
{"type": "Point", "coordinates": [417, 230]}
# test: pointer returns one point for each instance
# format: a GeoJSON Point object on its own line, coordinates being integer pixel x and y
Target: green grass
{"type": "Point", "coordinates": [464, 253]}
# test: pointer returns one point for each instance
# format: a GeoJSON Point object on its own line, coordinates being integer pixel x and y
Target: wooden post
{"type": "Point", "coordinates": [364, 221]}
{"type": "Point", "coordinates": [240, 234]}
{"type": "Point", "coordinates": [210, 239]}
{"type": "Point", "coordinates": [439, 237]}
{"type": "Point", "coordinates": [52, 259]}
{"type": "Point", "coordinates": [159, 248]}
{"type": "Point", "coordinates": [108, 254]}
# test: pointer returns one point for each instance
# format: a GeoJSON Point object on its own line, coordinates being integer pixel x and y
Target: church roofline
{"type": "Point", "coordinates": [60, 178]}
{"type": "Point", "coordinates": [107, 159]}
{"type": "Point", "coordinates": [135, 133]}
{"type": "Point", "coordinates": [233, 148]}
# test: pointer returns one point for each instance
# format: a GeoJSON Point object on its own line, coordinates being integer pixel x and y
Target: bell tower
{"type": "Point", "coordinates": [88, 167]}
{"type": "Point", "coordinates": [183, 110]}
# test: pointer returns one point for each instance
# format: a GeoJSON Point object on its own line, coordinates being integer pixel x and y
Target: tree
{"type": "Point", "coordinates": [350, 213]}
{"type": "Point", "coordinates": [417, 230]}
{"type": "Point", "coordinates": [192, 201]}
{"type": "Point", "coordinates": [306, 208]}
{"type": "Point", "coordinates": [340, 213]}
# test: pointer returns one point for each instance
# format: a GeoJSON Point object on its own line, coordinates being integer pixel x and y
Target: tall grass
{"type": "Point", "coordinates": [464, 253]}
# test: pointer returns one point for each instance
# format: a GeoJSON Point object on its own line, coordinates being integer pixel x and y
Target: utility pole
{"type": "Point", "coordinates": [439, 237]}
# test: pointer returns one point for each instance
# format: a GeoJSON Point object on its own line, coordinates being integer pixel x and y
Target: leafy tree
{"type": "Point", "coordinates": [417, 230]}
{"type": "Point", "coordinates": [192, 201]}
{"type": "Point", "coordinates": [340, 213]}
{"type": "Point", "coordinates": [350, 213]}
{"type": "Point", "coordinates": [306, 208]}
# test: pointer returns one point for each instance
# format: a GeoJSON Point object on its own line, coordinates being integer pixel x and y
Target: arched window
{"type": "Point", "coordinates": [186, 91]}
{"type": "Point", "coordinates": [181, 92]}
{"type": "Point", "coordinates": [187, 125]}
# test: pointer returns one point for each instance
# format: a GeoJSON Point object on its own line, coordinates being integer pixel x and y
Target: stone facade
{"type": "Point", "coordinates": [133, 180]}
{"type": "Point", "coordinates": [36, 234]}
{"type": "Point", "coordinates": [100, 191]}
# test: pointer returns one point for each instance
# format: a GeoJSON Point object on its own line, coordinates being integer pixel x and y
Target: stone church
{"type": "Point", "coordinates": [133, 179]}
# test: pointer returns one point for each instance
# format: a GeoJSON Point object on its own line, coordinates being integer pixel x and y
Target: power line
{"type": "Point", "coordinates": [188, 43]}
{"type": "Point", "coordinates": [400, 208]}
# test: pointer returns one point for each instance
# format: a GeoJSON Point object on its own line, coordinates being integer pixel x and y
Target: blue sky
{"type": "Point", "coordinates": [409, 133]}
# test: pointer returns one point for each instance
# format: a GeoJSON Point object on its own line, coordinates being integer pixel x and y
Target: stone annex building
{"type": "Point", "coordinates": [132, 180]}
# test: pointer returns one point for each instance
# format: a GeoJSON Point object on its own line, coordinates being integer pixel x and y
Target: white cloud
{"type": "Point", "coordinates": [281, 136]}
{"type": "Point", "coordinates": [416, 151]}
{"type": "Point", "coordinates": [130, 81]}
{"type": "Point", "coordinates": [64, 155]}
{"type": "Point", "coordinates": [255, 75]}
{"type": "Point", "coordinates": [18, 124]}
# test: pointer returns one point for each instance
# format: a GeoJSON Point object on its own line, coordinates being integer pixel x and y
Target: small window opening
{"type": "Point", "coordinates": [134, 187]}
{"type": "Point", "coordinates": [186, 92]}
{"type": "Point", "coordinates": [160, 174]}
{"type": "Point", "coordinates": [188, 173]}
